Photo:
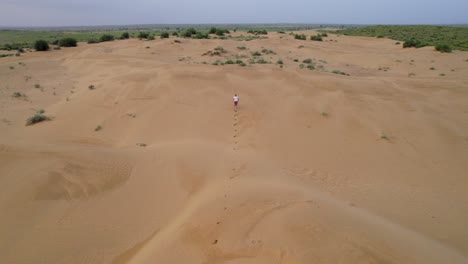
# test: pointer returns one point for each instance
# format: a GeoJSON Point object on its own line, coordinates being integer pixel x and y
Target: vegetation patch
{"type": "Point", "coordinates": [258, 32]}
{"type": "Point", "coordinates": [67, 42]}
{"type": "Point", "coordinates": [106, 37]}
{"type": "Point", "coordinates": [37, 118]}
{"type": "Point", "coordinates": [300, 36]}
{"type": "Point", "coordinates": [41, 45]}
{"type": "Point", "coordinates": [443, 48]}
{"type": "Point", "coordinates": [340, 72]}
{"type": "Point", "coordinates": [316, 38]}
{"type": "Point", "coordinates": [455, 37]}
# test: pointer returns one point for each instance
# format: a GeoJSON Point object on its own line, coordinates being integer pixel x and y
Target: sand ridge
{"type": "Point", "coordinates": [313, 167]}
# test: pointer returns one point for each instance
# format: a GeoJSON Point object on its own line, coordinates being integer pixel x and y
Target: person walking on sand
{"type": "Point", "coordinates": [236, 101]}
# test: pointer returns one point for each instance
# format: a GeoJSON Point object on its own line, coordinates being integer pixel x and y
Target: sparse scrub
{"type": "Point", "coordinates": [316, 38]}
{"type": "Point", "coordinates": [258, 32]}
{"type": "Point", "coordinates": [67, 42]}
{"type": "Point", "coordinates": [164, 35]}
{"type": "Point", "coordinates": [307, 61]}
{"type": "Point", "coordinates": [411, 74]}
{"type": "Point", "coordinates": [106, 37]}
{"type": "Point", "coordinates": [431, 68]}
{"type": "Point", "coordinates": [229, 62]}
{"type": "Point", "coordinates": [91, 87]}
{"type": "Point", "coordinates": [41, 45]}
{"type": "Point", "coordinates": [443, 48]}
{"type": "Point", "coordinates": [324, 114]}
{"type": "Point", "coordinates": [256, 53]}
{"type": "Point", "coordinates": [11, 67]}
{"type": "Point", "coordinates": [37, 118]}
{"type": "Point", "coordinates": [241, 47]}
{"type": "Point", "coordinates": [98, 128]}
{"type": "Point", "coordinates": [280, 62]}
{"type": "Point", "coordinates": [266, 51]}
{"type": "Point", "coordinates": [18, 95]}
{"type": "Point", "coordinates": [262, 61]}
{"type": "Point", "coordinates": [201, 35]}
{"type": "Point", "coordinates": [300, 36]}
{"type": "Point", "coordinates": [442, 74]}
{"type": "Point", "coordinates": [93, 41]}
{"type": "Point", "coordinates": [340, 72]}
{"type": "Point", "coordinates": [37, 86]}
{"type": "Point", "coordinates": [384, 137]}
{"type": "Point", "coordinates": [143, 35]}
{"type": "Point", "coordinates": [413, 43]}
{"type": "Point", "coordinates": [125, 35]}
{"type": "Point", "coordinates": [311, 67]}
{"type": "Point", "coordinates": [177, 41]}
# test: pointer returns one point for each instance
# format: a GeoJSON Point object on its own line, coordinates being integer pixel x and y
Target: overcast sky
{"type": "Point", "coordinates": [122, 12]}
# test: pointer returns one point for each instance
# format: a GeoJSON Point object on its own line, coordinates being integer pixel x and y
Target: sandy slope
{"type": "Point", "coordinates": [276, 182]}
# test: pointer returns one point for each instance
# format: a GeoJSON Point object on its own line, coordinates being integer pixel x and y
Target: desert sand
{"type": "Point", "coordinates": [314, 167]}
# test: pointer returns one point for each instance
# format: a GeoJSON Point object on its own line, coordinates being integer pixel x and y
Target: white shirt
{"type": "Point", "coordinates": [236, 98]}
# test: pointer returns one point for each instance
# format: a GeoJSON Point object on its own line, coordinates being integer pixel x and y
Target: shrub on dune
{"type": "Point", "coordinates": [316, 38]}
{"type": "Point", "coordinates": [41, 45]}
{"type": "Point", "coordinates": [143, 35]}
{"type": "Point", "coordinates": [36, 119]}
{"type": "Point", "coordinates": [164, 35]}
{"type": "Point", "coordinates": [300, 36]}
{"type": "Point", "coordinates": [125, 35]}
{"type": "Point", "coordinates": [443, 48]}
{"type": "Point", "coordinates": [106, 37]}
{"type": "Point", "coordinates": [67, 42]}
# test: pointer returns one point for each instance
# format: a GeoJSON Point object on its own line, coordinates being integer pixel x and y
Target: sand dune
{"type": "Point", "coordinates": [315, 167]}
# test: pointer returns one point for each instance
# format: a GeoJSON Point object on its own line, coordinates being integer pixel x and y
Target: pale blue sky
{"type": "Point", "coordinates": [121, 12]}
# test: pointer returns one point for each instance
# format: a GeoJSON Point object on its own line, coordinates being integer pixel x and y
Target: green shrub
{"type": "Point", "coordinates": [91, 87]}
{"type": "Point", "coordinates": [67, 42]}
{"type": "Point", "coordinates": [258, 32]}
{"type": "Point", "coordinates": [151, 37]}
{"type": "Point", "coordinates": [175, 34]}
{"type": "Point", "coordinates": [256, 53]}
{"type": "Point", "coordinates": [307, 61]}
{"type": "Point", "coordinates": [239, 62]}
{"type": "Point", "coordinates": [324, 35]}
{"type": "Point", "coordinates": [201, 35]}
{"type": "Point", "coordinates": [262, 61]}
{"type": "Point", "coordinates": [177, 41]}
{"type": "Point", "coordinates": [339, 72]}
{"type": "Point", "coordinates": [36, 119]}
{"type": "Point", "coordinates": [106, 37]}
{"type": "Point", "coordinates": [212, 30]}
{"type": "Point", "coordinates": [300, 36]}
{"type": "Point", "coordinates": [241, 47]}
{"type": "Point", "coordinates": [98, 128]}
{"type": "Point", "coordinates": [93, 41]}
{"type": "Point", "coordinates": [311, 67]}
{"type": "Point", "coordinates": [219, 32]}
{"type": "Point", "coordinates": [18, 95]}
{"type": "Point", "coordinates": [280, 62]}
{"type": "Point", "coordinates": [143, 35]}
{"type": "Point", "coordinates": [316, 38]}
{"type": "Point", "coordinates": [125, 35]}
{"type": "Point", "coordinates": [41, 45]}
{"type": "Point", "coordinates": [164, 35]}
{"type": "Point", "coordinates": [229, 62]}
{"type": "Point", "coordinates": [443, 48]}
{"type": "Point", "coordinates": [37, 86]}
{"type": "Point", "coordinates": [413, 43]}
{"type": "Point", "coordinates": [266, 51]}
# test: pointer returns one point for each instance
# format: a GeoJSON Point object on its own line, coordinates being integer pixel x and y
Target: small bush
{"type": "Point", "coordinates": [324, 35]}
{"type": "Point", "coordinates": [91, 87]}
{"type": "Point", "coordinates": [431, 68]}
{"type": "Point", "coordinates": [239, 62]}
{"type": "Point", "coordinates": [201, 35]}
{"type": "Point", "coordinates": [177, 41]}
{"type": "Point", "coordinates": [41, 45]}
{"type": "Point", "coordinates": [443, 48]}
{"type": "Point", "coordinates": [106, 37]}
{"type": "Point", "coordinates": [266, 51]}
{"type": "Point", "coordinates": [67, 42]}
{"type": "Point", "coordinates": [300, 36]}
{"type": "Point", "coordinates": [229, 62]}
{"type": "Point", "coordinates": [175, 34]}
{"type": "Point", "coordinates": [280, 62]}
{"type": "Point", "coordinates": [413, 43]}
{"type": "Point", "coordinates": [164, 35]}
{"type": "Point", "coordinates": [55, 42]}
{"type": "Point", "coordinates": [40, 111]}
{"type": "Point", "coordinates": [98, 128]}
{"type": "Point", "coordinates": [37, 86]}
{"type": "Point", "coordinates": [311, 67]}
{"type": "Point", "coordinates": [442, 74]}
{"type": "Point", "coordinates": [296, 60]}
{"type": "Point", "coordinates": [316, 38]}
{"type": "Point", "coordinates": [125, 35]}
{"type": "Point", "coordinates": [36, 119]}
{"type": "Point", "coordinates": [256, 53]}
{"type": "Point", "coordinates": [262, 61]}
{"type": "Point", "coordinates": [18, 95]}
{"type": "Point", "coordinates": [212, 30]}
{"type": "Point", "coordinates": [307, 61]}
{"type": "Point", "coordinates": [339, 72]}
{"type": "Point", "coordinates": [220, 32]}
{"type": "Point", "coordinates": [258, 32]}
{"type": "Point", "coordinates": [397, 43]}
{"type": "Point", "coordinates": [93, 41]}
{"type": "Point", "coordinates": [151, 37]}
{"type": "Point", "coordinates": [241, 47]}
{"type": "Point", "coordinates": [143, 35]}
